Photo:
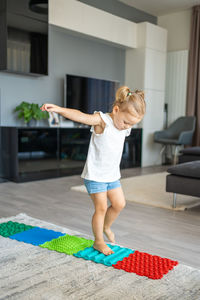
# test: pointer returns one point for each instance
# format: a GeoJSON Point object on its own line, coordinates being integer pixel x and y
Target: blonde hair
{"type": "Point", "coordinates": [124, 97]}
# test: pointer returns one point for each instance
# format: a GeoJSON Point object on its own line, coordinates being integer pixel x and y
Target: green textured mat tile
{"type": "Point", "coordinates": [68, 244]}
{"type": "Point", "coordinates": [10, 228]}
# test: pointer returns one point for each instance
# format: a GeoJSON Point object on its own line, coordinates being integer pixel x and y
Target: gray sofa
{"type": "Point", "coordinates": [189, 154]}
{"type": "Point", "coordinates": [184, 179]}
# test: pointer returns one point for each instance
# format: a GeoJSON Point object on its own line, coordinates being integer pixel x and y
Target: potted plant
{"type": "Point", "coordinates": [29, 112]}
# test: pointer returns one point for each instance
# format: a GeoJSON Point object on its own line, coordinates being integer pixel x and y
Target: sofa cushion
{"type": "Point", "coordinates": [189, 169]}
{"type": "Point", "coordinates": [191, 151]}
{"type": "Point", "coordinates": [186, 158]}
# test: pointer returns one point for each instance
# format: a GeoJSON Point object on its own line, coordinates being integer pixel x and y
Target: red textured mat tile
{"type": "Point", "coordinates": [144, 264]}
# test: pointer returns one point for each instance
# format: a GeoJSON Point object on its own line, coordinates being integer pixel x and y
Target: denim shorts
{"type": "Point", "coordinates": [94, 187]}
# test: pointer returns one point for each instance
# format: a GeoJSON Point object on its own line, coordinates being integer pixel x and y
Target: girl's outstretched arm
{"type": "Point", "coordinates": [74, 114]}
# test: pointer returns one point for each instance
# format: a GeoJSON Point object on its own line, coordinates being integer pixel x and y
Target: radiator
{"type": "Point", "coordinates": [176, 84]}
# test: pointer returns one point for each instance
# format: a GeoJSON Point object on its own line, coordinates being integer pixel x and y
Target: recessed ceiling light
{"type": "Point", "coordinates": [39, 6]}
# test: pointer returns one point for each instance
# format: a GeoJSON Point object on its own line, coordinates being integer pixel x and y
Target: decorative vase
{"type": "Point", "coordinates": [32, 123]}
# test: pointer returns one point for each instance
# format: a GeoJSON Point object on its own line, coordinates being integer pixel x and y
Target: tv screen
{"type": "Point", "coordinates": [89, 94]}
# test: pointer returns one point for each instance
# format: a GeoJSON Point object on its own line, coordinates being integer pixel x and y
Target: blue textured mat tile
{"type": "Point", "coordinates": [107, 260]}
{"type": "Point", "coordinates": [36, 236]}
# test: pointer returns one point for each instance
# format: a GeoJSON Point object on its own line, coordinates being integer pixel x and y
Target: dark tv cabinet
{"type": "Point", "coordinates": [39, 153]}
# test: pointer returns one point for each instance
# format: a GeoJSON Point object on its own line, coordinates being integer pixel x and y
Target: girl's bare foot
{"type": "Point", "coordinates": [110, 235]}
{"type": "Point", "coordinates": [102, 247]}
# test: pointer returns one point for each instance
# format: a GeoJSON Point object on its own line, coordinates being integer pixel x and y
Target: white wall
{"type": "Point", "coordinates": [176, 84]}
{"type": "Point", "coordinates": [178, 26]}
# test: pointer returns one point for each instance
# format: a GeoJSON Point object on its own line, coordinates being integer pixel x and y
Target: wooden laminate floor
{"type": "Point", "coordinates": [172, 234]}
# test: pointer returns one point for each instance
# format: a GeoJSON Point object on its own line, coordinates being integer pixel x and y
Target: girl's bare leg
{"type": "Point", "coordinates": [116, 197]}
{"type": "Point", "coordinates": [100, 204]}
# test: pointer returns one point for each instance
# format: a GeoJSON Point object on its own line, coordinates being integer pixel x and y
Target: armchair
{"type": "Point", "coordinates": [180, 132]}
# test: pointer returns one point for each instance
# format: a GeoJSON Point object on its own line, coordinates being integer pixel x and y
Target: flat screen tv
{"type": "Point", "coordinates": [89, 94]}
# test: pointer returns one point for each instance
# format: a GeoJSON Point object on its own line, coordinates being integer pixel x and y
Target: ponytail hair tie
{"type": "Point", "coordinates": [129, 94]}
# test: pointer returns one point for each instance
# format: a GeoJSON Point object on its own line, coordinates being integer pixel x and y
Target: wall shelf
{"type": "Point", "coordinates": [87, 20]}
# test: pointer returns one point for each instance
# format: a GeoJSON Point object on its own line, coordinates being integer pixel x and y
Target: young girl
{"type": "Point", "coordinates": [101, 172]}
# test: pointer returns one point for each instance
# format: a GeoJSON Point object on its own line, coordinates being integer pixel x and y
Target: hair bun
{"type": "Point", "coordinates": [122, 93]}
{"type": "Point", "coordinates": [140, 93]}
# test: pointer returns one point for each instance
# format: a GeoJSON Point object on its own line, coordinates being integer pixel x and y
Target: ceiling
{"type": "Point", "coordinates": [161, 7]}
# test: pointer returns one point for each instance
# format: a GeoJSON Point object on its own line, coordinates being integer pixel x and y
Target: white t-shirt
{"type": "Point", "coordinates": [105, 152]}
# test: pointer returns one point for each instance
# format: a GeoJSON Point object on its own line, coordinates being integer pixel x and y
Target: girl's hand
{"type": "Point", "coordinates": [51, 108]}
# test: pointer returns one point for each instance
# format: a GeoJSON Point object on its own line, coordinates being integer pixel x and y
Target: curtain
{"type": "Point", "coordinates": [193, 84]}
